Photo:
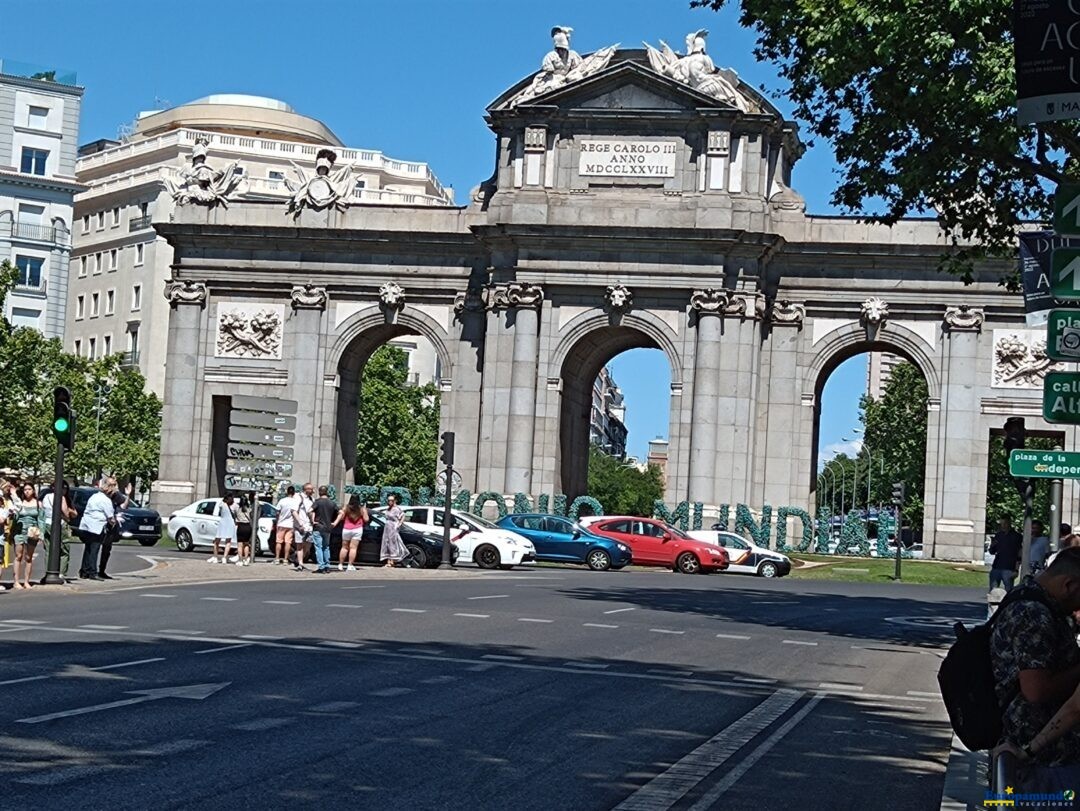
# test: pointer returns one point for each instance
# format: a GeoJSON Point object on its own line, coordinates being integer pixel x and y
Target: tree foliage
{"type": "Point", "coordinates": [1002, 497]}
{"type": "Point", "coordinates": [398, 442]}
{"type": "Point", "coordinates": [621, 487]}
{"type": "Point", "coordinates": [919, 103]}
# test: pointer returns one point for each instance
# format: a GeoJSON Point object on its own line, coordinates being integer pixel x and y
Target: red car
{"type": "Point", "coordinates": [654, 543]}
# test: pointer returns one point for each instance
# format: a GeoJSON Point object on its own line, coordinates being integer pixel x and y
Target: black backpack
{"type": "Point", "coordinates": [966, 679]}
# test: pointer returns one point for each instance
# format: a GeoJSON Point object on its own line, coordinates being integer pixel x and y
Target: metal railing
{"type": "Point", "coordinates": [139, 223]}
{"type": "Point", "coordinates": [39, 233]}
{"type": "Point", "coordinates": [29, 286]}
{"type": "Point", "coordinates": [129, 360]}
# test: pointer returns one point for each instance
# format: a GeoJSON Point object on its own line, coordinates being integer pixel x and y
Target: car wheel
{"type": "Point", "coordinates": [486, 556]}
{"type": "Point", "coordinates": [148, 541]}
{"type": "Point", "coordinates": [767, 569]}
{"type": "Point", "coordinates": [687, 563]}
{"type": "Point", "coordinates": [184, 542]}
{"type": "Point", "coordinates": [418, 555]}
{"type": "Point", "coordinates": [598, 560]}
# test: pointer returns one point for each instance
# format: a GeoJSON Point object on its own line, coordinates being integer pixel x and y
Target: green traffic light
{"type": "Point", "coordinates": [60, 425]}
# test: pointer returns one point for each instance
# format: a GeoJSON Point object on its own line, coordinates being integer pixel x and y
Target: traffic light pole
{"type": "Point", "coordinates": [1029, 500]}
{"type": "Point", "coordinates": [448, 520]}
{"type": "Point", "coordinates": [52, 572]}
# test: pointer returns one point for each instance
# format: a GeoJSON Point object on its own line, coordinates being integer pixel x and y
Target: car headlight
{"type": "Point", "coordinates": [623, 547]}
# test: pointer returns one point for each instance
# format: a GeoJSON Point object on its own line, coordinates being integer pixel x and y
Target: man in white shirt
{"type": "Point", "coordinates": [96, 518]}
{"type": "Point", "coordinates": [304, 525]}
{"type": "Point", "coordinates": [287, 509]}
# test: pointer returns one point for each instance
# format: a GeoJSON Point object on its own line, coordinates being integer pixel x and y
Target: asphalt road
{"type": "Point", "coordinates": [532, 689]}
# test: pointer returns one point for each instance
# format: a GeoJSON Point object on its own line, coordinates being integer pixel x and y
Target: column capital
{"type": "Point", "coordinates": [709, 300]}
{"type": "Point", "coordinates": [964, 318]}
{"type": "Point", "coordinates": [185, 292]}
{"type": "Point", "coordinates": [308, 297]}
{"type": "Point", "coordinates": [473, 300]}
{"type": "Point", "coordinates": [785, 313]}
{"type": "Point", "coordinates": [517, 294]}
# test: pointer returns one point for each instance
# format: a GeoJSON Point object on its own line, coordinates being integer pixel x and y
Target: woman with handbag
{"type": "Point", "coordinates": [29, 529]}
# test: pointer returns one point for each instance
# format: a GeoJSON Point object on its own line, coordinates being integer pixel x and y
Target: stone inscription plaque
{"type": "Point", "coordinates": [627, 157]}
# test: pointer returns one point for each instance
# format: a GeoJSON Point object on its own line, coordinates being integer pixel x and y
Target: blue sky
{"type": "Point", "coordinates": [409, 78]}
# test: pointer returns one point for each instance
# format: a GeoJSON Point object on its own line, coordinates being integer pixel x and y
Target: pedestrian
{"type": "Point", "coordinates": [226, 529]}
{"type": "Point", "coordinates": [29, 526]}
{"type": "Point", "coordinates": [120, 502]}
{"type": "Point", "coordinates": [393, 550]}
{"type": "Point", "coordinates": [97, 516]}
{"type": "Point", "coordinates": [1066, 538]}
{"type": "Point", "coordinates": [7, 508]}
{"type": "Point", "coordinates": [326, 516]}
{"type": "Point", "coordinates": [355, 516]}
{"type": "Point", "coordinates": [305, 524]}
{"type": "Point", "coordinates": [67, 513]}
{"type": "Point", "coordinates": [243, 532]}
{"type": "Point", "coordinates": [287, 508]}
{"type": "Point", "coordinates": [1005, 547]}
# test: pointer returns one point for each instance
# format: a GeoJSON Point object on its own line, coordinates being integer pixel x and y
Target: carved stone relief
{"type": "Point", "coordinates": [1020, 360]}
{"type": "Point", "coordinates": [249, 331]}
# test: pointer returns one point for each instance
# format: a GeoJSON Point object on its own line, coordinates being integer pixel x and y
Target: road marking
{"type": "Point", "coordinates": [170, 748]}
{"type": "Point", "coordinates": [106, 627]}
{"type": "Point", "coordinates": [665, 631]}
{"type": "Point", "coordinates": [673, 672]}
{"type": "Point", "coordinates": [391, 692]}
{"type": "Point", "coordinates": [197, 692]}
{"type": "Point", "coordinates": [421, 651]}
{"type": "Point", "coordinates": [160, 596]}
{"type": "Point", "coordinates": [262, 724]}
{"type": "Point", "coordinates": [343, 605]}
{"type": "Point", "coordinates": [922, 693]}
{"type": "Point", "coordinates": [24, 679]}
{"type": "Point", "coordinates": [353, 588]}
{"type": "Point", "coordinates": [474, 616]}
{"type": "Point", "coordinates": [227, 647]}
{"type": "Point", "coordinates": [532, 619]}
{"type": "Point", "coordinates": [749, 680]}
{"type": "Point", "coordinates": [219, 599]}
{"type": "Point", "coordinates": [667, 788]}
{"type": "Point", "coordinates": [597, 625]}
{"type": "Point", "coordinates": [280, 602]}
{"type": "Point", "coordinates": [16, 628]}
{"type": "Point", "coordinates": [798, 642]}
{"type": "Point", "coordinates": [24, 622]}
{"type": "Point", "coordinates": [731, 636]}
{"type": "Point", "coordinates": [130, 664]}
{"type": "Point", "coordinates": [833, 685]}
{"type": "Point", "coordinates": [488, 597]}
{"type": "Point", "coordinates": [502, 658]}
{"type": "Point", "coordinates": [332, 643]}
{"type": "Point", "coordinates": [619, 610]}
{"type": "Point", "coordinates": [410, 610]}
{"type": "Point", "coordinates": [260, 638]}
{"type": "Point", "coordinates": [334, 706]}
{"type": "Point", "coordinates": [180, 631]}
{"type": "Point", "coordinates": [439, 680]}
{"type": "Point", "coordinates": [711, 797]}
{"type": "Point", "coordinates": [590, 665]}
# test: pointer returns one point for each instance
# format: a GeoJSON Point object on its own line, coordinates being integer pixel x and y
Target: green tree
{"type": "Point", "coordinates": [1002, 497]}
{"type": "Point", "coordinates": [621, 487]}
{"type": "Point", "coordinates": [398, 440]}
{"type": "Point", "coordinates": [919, 103]}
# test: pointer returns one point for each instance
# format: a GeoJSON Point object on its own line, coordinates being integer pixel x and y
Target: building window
{"type": "Point", "coordinates": [110, 302]}
{"type": "Point", "coordinates": [91, 351]}
{"type": "Point", "coordinates": [82, 267]}
{"type": "Point", "coordinates": [78, 347]}
{"type": "Point", "coordinates": [97, 263]}
{"type": "Point", "coordinates": [34, 160]}
{"type": "Point", "coordinates": [80, 307]}
{"type": "Point", "coordinates": [100, 220]}
{"type": "Point", "coordinates": [112, 259]}
{"type": "Point", "coordinates": [136, 297]}
{"type": "Point", "coordinates": [133, 342]}
{"type": "Point", "coordinates": [238, 170]}
{"type": "Point", "coordinates": [115, 217]}
{"type": "Point", "coordinates": [86, 223]}
{"type": "Point", "coordinates": [29, 271]}
{"type": "Point", "coordinates": [37, 118]}
{"type": "Point", "coordinates": [144, 209]}
{"type": "Point", "coordinates": [273, 174]}
{"type": "Point", "coordinates": [139, 249]}
{"type": "Point", "coordinates": [106, 346]}
{"type": "Point", "coordinates": [95, 305]}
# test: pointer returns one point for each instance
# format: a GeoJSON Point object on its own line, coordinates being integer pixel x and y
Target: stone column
{"type": "Point", "coordinates": [958, 518]}
{"type": "Point", "coordinates": [305, 363]}
{"type": "Point", "coordinates": [524, 299]}
{"type": "Point", "coordinates": [465, 407]}
{"type": "Point", "coordinates": [175, 487]}
{"type": "Point", "coordinates": [707, 306]}
{"type": "Point", "coordinates": [783, 480]}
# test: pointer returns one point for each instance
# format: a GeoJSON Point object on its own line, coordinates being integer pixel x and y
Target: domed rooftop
{"type": "Point", "coordinates": [244, 100]}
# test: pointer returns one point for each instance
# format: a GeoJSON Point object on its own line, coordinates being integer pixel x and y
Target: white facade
{"type": "Point", "coordinates": [607, 421]}
{"type": "Point", "coordinates": [39, 129]}
{"type": "Point", "coordinates": [120, 267]}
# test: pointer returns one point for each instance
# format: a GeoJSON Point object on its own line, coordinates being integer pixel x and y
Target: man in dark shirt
{"type": "Point", "coordinates": [1036, 660]}
{"type": "Point", "coordinates": [1005, 548]}
{"type": "Point", "coordinates": [326, 516]}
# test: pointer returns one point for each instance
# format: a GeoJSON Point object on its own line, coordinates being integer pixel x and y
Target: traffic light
{"type": "Point", "coordinates": [446, 448]}
{"type": "Point", "coordinates": [63, 418]}
{"type": "Point", "coordinates": [1015, 434]}
{"type": "Point", "coordinates": [898, 492]}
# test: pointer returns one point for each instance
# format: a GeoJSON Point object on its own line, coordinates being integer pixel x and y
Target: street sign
{"type": "Point", "coordinates": [273, 404]}
{"type": "Point", "coordinates": [1063, 334]}
{"type": "Point", "coordinates": [260, 419]}
{"type": "Point", "coordinates": [1045, 464]}
{"type": "Point", "coordinates": [257, 483]}
{"type": "Point", "coordinates": [261, 436]}
{"type": "Point", "coordinates": [259, 467]}
{"type": "Point", "coordinates": [1067, 209]}
{"type": "Point", "coordinates": [1065, 273]}
{"type": "Point", "coordinates": [1045, 50]}
{"type": "Point", "coordinates": [237, 450]}
{"type": "Point", "coordinates": [1061, 397]}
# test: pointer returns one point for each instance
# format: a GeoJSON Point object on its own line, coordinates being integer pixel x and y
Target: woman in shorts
{"type": "Point", "coordinates": [355, 516]}
{"type": "Point", "coordinates": [226, 529]}
{"type": "Point", "coordinates": [243, 531]}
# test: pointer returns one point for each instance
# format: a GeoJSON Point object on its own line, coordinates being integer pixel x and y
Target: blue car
{"type": "Point", "coordinates": [560, 540]}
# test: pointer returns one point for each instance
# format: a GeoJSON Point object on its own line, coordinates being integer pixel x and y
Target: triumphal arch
{"type": "Point", "coordinates": [640, 198]}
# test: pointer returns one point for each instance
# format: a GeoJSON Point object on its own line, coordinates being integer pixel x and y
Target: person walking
{"type": "Point", "coordinates": [120, 502]}
{"type": "Point", "coordinates": [97, 516]}
{"type": "Point", "coordinates": [1005, 548]}
{"type": "Point", "coordinates": [67, 513]}
{"type": "Point", "coordinates": [304, 525]}
{"type": "Point", "coordinates": [355, 516]}
{"type": "Point", "coordinates": [243, 532]}
{"type": "Point", "coordinates": [29, 529]}
{"type": "Point", "coordinates": [287, 508]}
{"type": "Point", "coordinates": [226, 529]}
{"type": "Point", "coordinates": [393, 550]}
{"type": "Point", "coordinates": [326, 515]}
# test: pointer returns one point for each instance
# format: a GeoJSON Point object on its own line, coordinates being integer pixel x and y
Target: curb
{"type": "Point", "coordinates": [965, 779]}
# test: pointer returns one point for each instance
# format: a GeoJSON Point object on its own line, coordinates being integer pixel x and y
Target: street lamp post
{"type": "Point", "coordinates": [102, 390]}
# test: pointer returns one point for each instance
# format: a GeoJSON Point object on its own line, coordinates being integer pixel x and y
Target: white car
{"type": "Point", "coordinates": [195, 526]}
{"type": "Point", "coordinates": [486, 545]}
{"type": "Point", "coordinates": [745, 556]}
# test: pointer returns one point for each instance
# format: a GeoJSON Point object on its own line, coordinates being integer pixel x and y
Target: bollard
{"type": "Point", "coordinates": [993, 600]}
{"type": "Point", "coordinates": [1005, 772]}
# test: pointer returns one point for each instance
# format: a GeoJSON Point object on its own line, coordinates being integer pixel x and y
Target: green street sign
{"type": "Point", "coordinates": [1065, 273]}
{"type": "Point", "coordinates": [1067, 209]}
{"type": "Point", "coordinates": [1061, 397]}
{"type": "Point", "coordinates": [1044, 464]}
{"type": "Point", "coordinates": [1063, 335]}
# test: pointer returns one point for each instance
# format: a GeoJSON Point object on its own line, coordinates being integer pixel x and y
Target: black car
{"type": "Point", "coordinates": [425, 549]}
{"type": "Point", "coordinates": [135, 522]}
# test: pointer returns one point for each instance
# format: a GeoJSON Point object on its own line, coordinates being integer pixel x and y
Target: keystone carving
{"type": "Point", "coordinates": [392, 295]}
{"type": "Point", "coordinates": [709, 300]}
{"type": "Point", "coordinates": [619, 298]}
{"type": "Point", "coordinates": [874, 311]}
{"type": "Point", "coordinates": [185, 292]}
{"type": "Point", "coordinates": [308, 297]}
{"type": "Point", "coordinates": [964, 319]}
{"type": "Point", "coordinates": [519, 294]}
{"type": "Point", "coordinates": [787, 313]}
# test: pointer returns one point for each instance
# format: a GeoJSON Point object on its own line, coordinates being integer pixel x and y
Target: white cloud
{"type": "Point", "coordinates": [851, 448]}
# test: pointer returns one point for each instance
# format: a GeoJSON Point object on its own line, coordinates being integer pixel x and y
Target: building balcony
{"type": "Point", "coordinates": [129, 360]}
{"type": "Point", "coordinates": [139, 223]}
{"type": "Point", "coordinates": [33, 232]}
{"type": "Point", "coordinates": [35, 287]}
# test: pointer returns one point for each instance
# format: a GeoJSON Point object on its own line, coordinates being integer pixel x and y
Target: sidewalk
{"type": "Point", "coordinates": [965, 779]}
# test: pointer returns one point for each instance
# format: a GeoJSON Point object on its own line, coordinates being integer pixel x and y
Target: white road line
{"type": "Point", "coordinates": [711, 797]}
{"type": "Point", "coordinates": [130, 664]}
{"type": "Point", "coordinates": [106, 627]}
{"type": "Point", "coordinates": [488, 597]}
{"type": "Point", "coordinates": [731, 636]}
{"type": "Point", "coordinates": [16, 628]}
{"type": "Point", "coordinates": [502, 658]}
{"type": "Point", "coordinates": [160, 596]}
{"type": "Point", "coordinates": [665, 631]}
{"type": "Point", "coordinates": [667, 788]}
{"type": "Point", "coordinates": [262, 724]}
{"type": "Point", "coordinates": [798, 642]}
{"type": "Point", "coordinates": [474, 616]}
{"type": "Point", "coordinates": [410, 610]}
{"type": "Point", "coordinates": [280, 602]}
{"type": "Point", "coordinates": [24, 679]}
{"type": "Point", "coordinates": [335, 706]}
{"type": "Point", "coordinates": [227, 647]}
{"type": "Point", "coordinates": [749, 680]}
{"type": "Point", "coordinates": [597, 625]}
{"type": "Point", "coordinates": [922, 693]}
{"type": "Point", "coordinates": [439, 680]}
{"type": "Point", "coordinates": [260, 638]}
{"type": "Point", "coordinates": [219, 599]}
{"type": "Point", "coordinates": [353, 588]}
{"type": "Point", "coordinates": [332, 643]}
{"type": "Point", "coordinates": [673, 672]}
{"type": "Point", "coordinates": [532, 619]}
{"type": "Point", "coordinates": [24, 622]}
{"type": "Point", "coordinates": [390, 692]}
{"type": "Point", "coordinates": [619, 610]}
{"type": "Point", "coordinates": [421, 651]}
{"type": "Point", "coordinates": [590, 665]}
{"type": "Point", "coordinates": [343, 605]}
{"type": "Point", "coordinates": [170, 748]}
{"type": "Point", "coordinates": [180, 631]}
{"type": "Point", "coordinates": [833, 685]}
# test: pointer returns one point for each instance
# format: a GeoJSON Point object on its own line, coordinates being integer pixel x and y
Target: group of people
{"type": "Point", "coordinates": [26, 522]}
{"type": "Point", "coordinates": [305, 522]}
{"type": "Point", "coordinates": [1007, 549]}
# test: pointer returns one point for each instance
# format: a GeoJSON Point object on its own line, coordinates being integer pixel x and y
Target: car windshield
{"type": "Point", "coordinates": [480, 522]}
{"type": "Point", "coordinates": [678, 533]}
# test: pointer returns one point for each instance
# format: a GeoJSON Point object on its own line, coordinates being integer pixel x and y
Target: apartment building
{"type": "Point", "coordinates": [120, 266]}
{"type": "Point", "coordinates": [39, 132]}
{"type": "Point", "coordinates": [607, 422]}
